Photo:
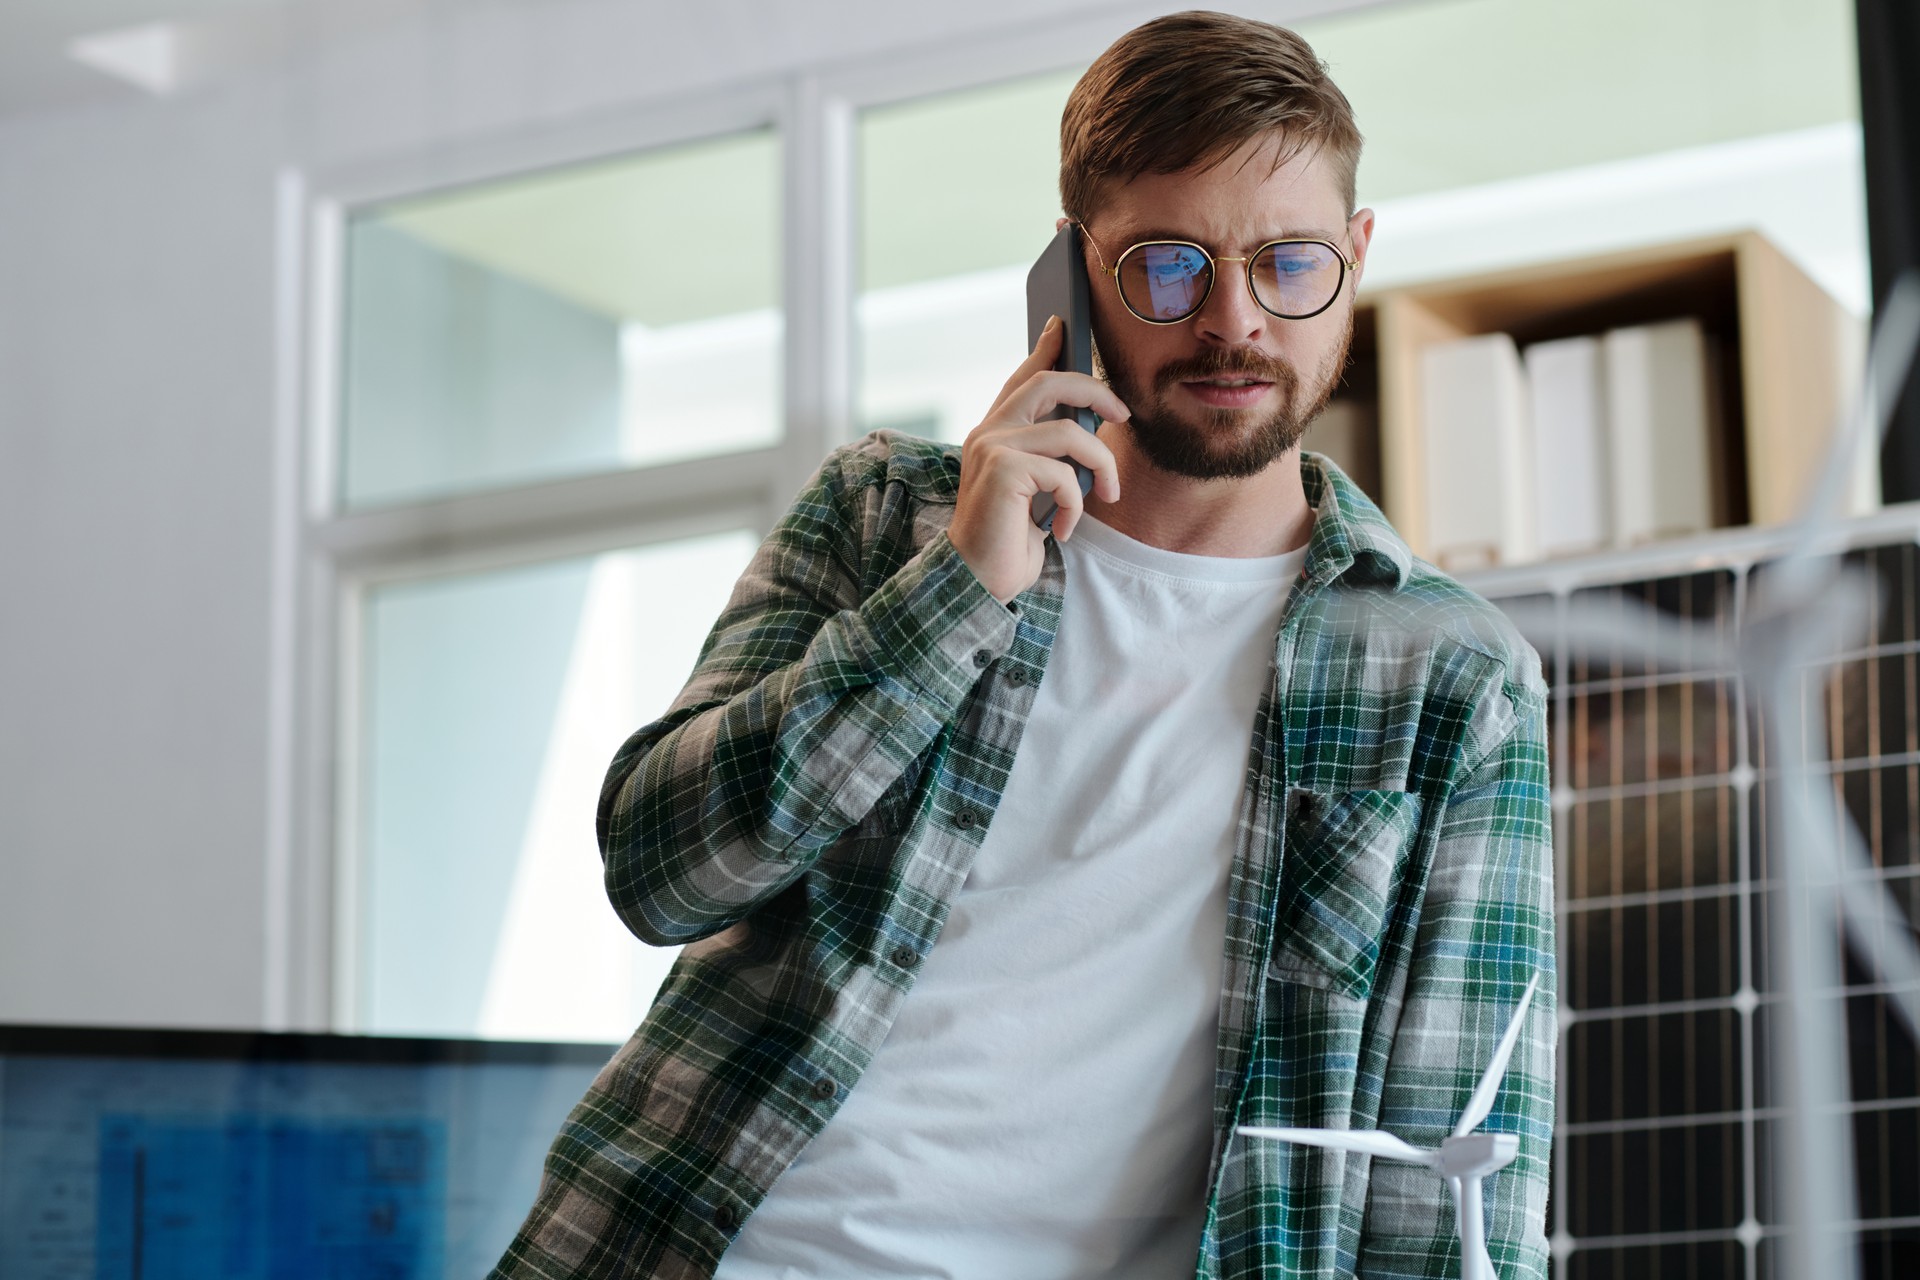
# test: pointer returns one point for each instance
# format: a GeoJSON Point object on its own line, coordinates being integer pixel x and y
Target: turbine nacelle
{"type": "Point", "coordinates": [1475, 1155]}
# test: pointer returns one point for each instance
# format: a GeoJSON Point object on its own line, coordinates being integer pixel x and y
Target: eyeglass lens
{"type": "Point", "coordinates": [1166, 281]}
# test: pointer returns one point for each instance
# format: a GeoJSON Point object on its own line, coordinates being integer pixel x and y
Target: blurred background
{"type": "Point", "coordinates": [391, 390]}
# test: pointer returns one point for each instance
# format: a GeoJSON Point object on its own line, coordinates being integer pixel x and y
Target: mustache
{"type": "Point", "coordinates": [1218, 363]}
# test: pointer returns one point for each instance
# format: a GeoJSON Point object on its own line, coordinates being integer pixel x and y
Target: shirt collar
{"type": "Point", "coordinates": [1350, 535]}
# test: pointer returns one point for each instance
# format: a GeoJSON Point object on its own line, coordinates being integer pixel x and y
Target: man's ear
{"type": "Point", "coordinates": [1360, 232]}
{"type": "Point", "coordinates": [1059, 223]}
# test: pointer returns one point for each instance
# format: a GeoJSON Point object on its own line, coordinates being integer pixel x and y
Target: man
{"type": "Point", "coordinates": [1017, 870]}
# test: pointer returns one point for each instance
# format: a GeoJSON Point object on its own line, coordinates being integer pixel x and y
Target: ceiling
{"type": "Point", "coordinates": [217, 37]}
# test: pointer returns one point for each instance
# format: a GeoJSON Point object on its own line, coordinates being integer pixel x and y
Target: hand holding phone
{"type": "Point", "coordinates": [1024, 449]}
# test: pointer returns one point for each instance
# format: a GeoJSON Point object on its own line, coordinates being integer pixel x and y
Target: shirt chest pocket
{"type": "Point", "coordinates": [899, 804]}
{"type": "Point", "coordinates": [1343, 858]}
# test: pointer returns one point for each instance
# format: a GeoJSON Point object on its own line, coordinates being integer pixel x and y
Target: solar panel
{"type": "Point", "coordinates": [1665, 1141]}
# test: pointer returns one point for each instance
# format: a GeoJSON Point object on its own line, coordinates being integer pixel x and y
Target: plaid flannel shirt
{"type": "Point", "coordinates": [806, 811]}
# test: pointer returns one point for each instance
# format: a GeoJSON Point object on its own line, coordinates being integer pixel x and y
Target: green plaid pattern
{"type": "Point", "coordinates": [804, 814]}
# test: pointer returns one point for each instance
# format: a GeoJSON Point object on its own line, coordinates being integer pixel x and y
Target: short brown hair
{"type": "Point", "coordinates": [1189, 89]}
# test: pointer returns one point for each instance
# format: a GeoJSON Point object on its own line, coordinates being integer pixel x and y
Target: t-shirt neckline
{"type": "Point", "coordinates": [1131, 553]}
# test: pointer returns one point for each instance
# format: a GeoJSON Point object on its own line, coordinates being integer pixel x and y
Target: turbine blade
{"type": "Point", "coordinates": [1489, 1087]}
{"type": "Point", "coordinates": [1373, 1142]}
{"type": "Point", "coordinates": [1620, 625]}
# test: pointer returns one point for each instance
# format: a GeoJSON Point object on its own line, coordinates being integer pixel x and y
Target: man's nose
{"type": "Point", "coordinates": [1231, 317]}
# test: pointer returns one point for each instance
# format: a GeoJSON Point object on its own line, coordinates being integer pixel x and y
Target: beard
{"type": "Point", "coordinates": [1215, 444]}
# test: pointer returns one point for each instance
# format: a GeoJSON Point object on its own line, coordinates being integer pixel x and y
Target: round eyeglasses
{"type": "Point", "coordinates": [1166, 281]}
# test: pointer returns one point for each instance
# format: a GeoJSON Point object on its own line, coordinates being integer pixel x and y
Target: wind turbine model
{"type": "Point", "coordinates": [1463, 1159]}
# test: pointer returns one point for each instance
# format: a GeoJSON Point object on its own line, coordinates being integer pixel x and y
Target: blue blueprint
{"type": "Point", "coordinates": [150, 1169]}
{"type": "Point", "coordinates": [256, 1197]}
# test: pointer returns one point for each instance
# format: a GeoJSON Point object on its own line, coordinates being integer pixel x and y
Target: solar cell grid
{"type": "Point", "coordinates": [1666, 1117]}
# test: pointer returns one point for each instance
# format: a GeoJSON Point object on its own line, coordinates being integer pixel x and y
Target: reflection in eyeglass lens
{"type": "Point", "coordinates": [1174, 277]}
{"type": "Point", "coordinates": [1296, 279]}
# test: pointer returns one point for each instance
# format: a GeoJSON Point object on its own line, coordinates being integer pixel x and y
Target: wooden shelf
{"type": "Point", "coordinates": [1795, 359]}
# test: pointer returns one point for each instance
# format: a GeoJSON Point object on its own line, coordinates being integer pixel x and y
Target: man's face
{"type": "Point", "coordinates": [1187, 418]}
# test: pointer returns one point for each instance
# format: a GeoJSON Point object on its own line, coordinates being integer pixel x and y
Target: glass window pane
{"type": "Point", "coordinates": [491, 707]}
{"type": "Point", "coordinates": [958, 195]}
{"type": "Point", "coordinates": [1506, 131]}
{"type": "Point", "coordinates": [608, 315]}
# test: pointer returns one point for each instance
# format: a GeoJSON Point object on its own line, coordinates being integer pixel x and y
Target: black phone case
{"type": "Point", "coordinates": [1057, 286]}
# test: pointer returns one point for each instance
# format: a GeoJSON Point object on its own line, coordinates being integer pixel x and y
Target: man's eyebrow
{"type": "Point", "coordinates": [1161, 233]}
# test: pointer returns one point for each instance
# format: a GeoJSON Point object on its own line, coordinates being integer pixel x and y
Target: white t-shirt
{"type": "Point", "coordinates": [1042, 1106]}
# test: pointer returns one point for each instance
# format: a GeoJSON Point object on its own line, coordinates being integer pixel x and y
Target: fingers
{"type": "Point", "coordinates": [1019, 463]}
{"type": "Point", "coordinates": [1057, 439]}
{"type": "Point", "coordinates": [1036, 398]}
{"type": "Point", "coordinates": [1063, 482]}
{"type": "Point", "coordinates": [1060, 438]}
{"type": "Point", "coordinates": [1044, 355]}
{"type": "Point", "coordinates": [1011, 458]}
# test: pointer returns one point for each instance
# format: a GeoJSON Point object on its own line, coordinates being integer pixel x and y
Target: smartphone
{"type": "Point", "coordinates": [1057, 286]}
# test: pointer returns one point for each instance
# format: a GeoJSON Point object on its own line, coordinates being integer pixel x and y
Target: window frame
{"type": "Point", "coordinates": [325, 559]}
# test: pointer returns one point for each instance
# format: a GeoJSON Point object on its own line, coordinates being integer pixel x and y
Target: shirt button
{"type": "Point", "coordinates": [726, 1218]}
{"type": "Point", "coordinates": [824, 1088]}
{"type": "Point", "coordinates": [1017, 677]}
{"type": "Point", "coordinates": [966, 819]}
{"type": "Point", "coordinates": [905, 956]}
{"type": "Point", "coordinates": [982, 657]}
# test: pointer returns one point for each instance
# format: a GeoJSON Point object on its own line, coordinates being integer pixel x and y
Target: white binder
{"type": "Point", "coordinates": [1662, 408]}
{"type": "Point", "coordinates": [1566, 385]}
{"type": "Point", "coordinates": [1479, 453]}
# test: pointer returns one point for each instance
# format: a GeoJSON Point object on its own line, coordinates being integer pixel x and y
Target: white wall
{"type": "Point", "coordinates": [135, 386]}
{"type": "Point", "coordinates": [137, 402]}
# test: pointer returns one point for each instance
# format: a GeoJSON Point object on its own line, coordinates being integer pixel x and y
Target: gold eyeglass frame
{"type": "Point", "coordinates": [1213, 274]}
